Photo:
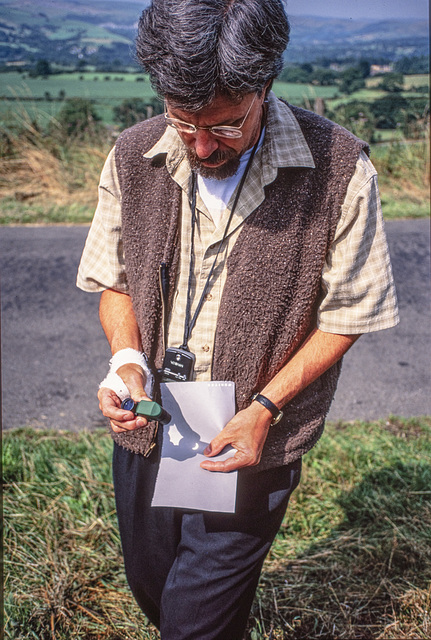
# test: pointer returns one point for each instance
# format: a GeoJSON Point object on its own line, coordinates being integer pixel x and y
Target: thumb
{"type": "Point", "coordinates": [135, 379]}
{"type": "Point", "coordinates": [215, 446]}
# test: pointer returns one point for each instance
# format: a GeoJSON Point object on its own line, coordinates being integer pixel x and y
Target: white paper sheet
{"type": "Point", "coordinates": [199, 412]}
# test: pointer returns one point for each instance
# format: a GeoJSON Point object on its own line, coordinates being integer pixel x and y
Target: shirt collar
{"type": "Point", "coordinates": [284, 144]}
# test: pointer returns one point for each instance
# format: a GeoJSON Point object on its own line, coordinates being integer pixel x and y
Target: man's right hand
{"type": "Point", "coordinates": [110, 404]}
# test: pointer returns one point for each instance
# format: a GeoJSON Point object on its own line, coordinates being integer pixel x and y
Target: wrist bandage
{"type": "Point", "coordinates": [114, 382]}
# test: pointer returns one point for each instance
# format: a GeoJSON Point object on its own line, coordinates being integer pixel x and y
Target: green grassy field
{"type": "Point", "coordinates": [298, 93]}
{"type": "Point", "coordinates": [46, 180]}
{"type": "Point", "coordinates": [92, 85]}
{"type": "Point", "coordinates": [107, 90]}
{"type": "Point", "coordinates": [110, 89]}
{"type": "Point", "coordinates": [415, 80]}
{"type": "Point", "coordinates": [352, 559]}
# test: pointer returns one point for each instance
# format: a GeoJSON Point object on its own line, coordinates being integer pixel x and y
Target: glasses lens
{"type": "Point", "coordinates": [180, 126]}
{"type": "Point", "coordinates": [226, 132]}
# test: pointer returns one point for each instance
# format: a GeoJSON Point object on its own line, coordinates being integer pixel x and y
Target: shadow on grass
{"type": "Point", "coordinates": [370, 578]}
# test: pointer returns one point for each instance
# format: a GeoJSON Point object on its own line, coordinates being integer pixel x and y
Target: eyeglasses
{"type": "Point", "coordinates": [223, 131]}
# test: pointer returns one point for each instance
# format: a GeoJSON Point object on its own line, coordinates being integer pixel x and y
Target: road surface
{"type": "Point", "coordinates": [54, 353]}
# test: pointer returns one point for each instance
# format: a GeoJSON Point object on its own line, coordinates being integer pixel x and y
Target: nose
{"type": "Point", "coordinates": [204, 143]}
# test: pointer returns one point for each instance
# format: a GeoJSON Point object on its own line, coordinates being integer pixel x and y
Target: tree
{"type": "Point", "coordinates": [394, 111]}
{"type": "Point", "coordinates": [78, 117]}
{"type": "Point", "coordinates": [42, 68]}
{"type": "Point", "coordinates": [130, 111]}
{"type": "Point", "coordinates": [413, 64]}
{"type": "Point", "coordinates": [324, 77]}
{"type": "Point", "coordinates": [358, 118]}
{"type": "Point", "coordinates": [364, 68]}
{"type": "Point", "coordinates": [392, 82]}
{"type": "Point", "coordinates": [352, 80]}
{"type": "Point", "coordinates": [295, 74]}
{"type": "Point", "coordinates": [133, 110]}
{"type": "Point", "coordinates": [388, 111]}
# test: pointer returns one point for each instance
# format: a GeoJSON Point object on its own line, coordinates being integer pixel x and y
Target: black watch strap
{"type": "Point", "coordinates": [275, 411]}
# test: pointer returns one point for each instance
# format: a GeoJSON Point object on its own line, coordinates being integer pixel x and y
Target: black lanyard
{"type": "Point", "coordinates": [189, 324]}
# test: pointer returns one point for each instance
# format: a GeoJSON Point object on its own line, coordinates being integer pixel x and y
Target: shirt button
{"type": "Point", "coordinates": [206, 348]}
{"type": "Point", "coordinates": [209, 296]}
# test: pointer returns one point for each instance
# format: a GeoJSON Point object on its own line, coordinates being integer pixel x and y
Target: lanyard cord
{"type": "Point", "coordinates": [189, 324]}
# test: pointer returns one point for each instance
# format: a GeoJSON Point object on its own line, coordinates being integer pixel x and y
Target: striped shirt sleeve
{"type": "Point", "coordinates": [102, 261]}
{"type": "Point", "coordinates": [357, 283]}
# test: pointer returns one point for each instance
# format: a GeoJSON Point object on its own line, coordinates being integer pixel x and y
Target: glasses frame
{"type": "Point", "coordinates": [219, 130]}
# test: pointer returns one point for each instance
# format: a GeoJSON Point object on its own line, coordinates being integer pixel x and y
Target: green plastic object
{"type": "Point", "coordinates": [147, 409]}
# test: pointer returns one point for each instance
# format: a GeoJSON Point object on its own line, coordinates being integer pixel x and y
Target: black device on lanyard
{"type": "Point", "coordinates": [178, 362]}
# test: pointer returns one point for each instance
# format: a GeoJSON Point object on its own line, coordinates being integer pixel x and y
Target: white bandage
{"type": "Point", "coordinates": [113, 380]}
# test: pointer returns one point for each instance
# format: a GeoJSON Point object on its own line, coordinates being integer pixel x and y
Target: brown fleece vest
{"type": "Point", "coordinates": [273, 284]}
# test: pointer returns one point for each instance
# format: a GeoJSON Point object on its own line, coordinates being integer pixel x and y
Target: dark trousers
{"type": "Point", "coordinates": [194, 574]}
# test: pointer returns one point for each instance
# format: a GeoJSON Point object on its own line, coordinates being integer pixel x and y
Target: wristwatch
{"type": "Point", "coordinates": [275, 411]}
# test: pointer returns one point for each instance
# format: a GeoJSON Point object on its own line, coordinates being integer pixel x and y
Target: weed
{"type": "Point", "coordinates": [351, 560]}
{"type": "Point", "coordinates": [404, 178]}
{"type": "Point", "coordinates": [47, 179]}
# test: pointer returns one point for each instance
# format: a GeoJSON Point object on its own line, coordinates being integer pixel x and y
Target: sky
{"type": "Point", "coordinates": [371, 9]}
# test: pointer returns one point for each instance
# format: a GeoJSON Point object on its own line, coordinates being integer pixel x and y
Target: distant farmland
{"type": "Point", "coordinates": [40, 97]}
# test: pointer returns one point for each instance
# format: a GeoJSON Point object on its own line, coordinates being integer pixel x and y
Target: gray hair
{"type": "Point", "coordinates": [194, 50]}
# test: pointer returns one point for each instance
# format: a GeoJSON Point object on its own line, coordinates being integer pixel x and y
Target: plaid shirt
{"type": "Point", "coordinates": [357, 283]}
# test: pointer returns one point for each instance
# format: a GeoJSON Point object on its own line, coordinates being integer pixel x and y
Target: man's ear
{"type": "Point", "coordinates": [267, 88]}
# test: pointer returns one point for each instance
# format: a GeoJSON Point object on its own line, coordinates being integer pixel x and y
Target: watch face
{"type": "Point", "coordinates": [128, 404]}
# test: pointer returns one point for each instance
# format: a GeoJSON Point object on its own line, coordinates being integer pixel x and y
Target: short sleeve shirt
{"type": "Point", "coordinates": [358, 292]}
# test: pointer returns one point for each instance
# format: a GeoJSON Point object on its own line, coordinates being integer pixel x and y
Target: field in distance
{"type": "Point", "coordinates": [45, 179]}
{"type": "Point", "coordinates": [41, 98]}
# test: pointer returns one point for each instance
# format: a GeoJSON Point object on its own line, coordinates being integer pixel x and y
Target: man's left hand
{"type": "Point", "coordinates": [246, 432]}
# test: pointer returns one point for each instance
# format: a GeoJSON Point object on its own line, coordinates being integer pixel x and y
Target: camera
{"type": "Point", "coordinates": [178, 365]}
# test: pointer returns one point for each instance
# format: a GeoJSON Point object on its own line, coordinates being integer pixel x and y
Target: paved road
{"type": "Point", "coordinates": [54, 353]}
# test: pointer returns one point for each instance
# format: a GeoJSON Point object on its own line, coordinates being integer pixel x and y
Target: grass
{"type": "Point", "coordinates": [42, 183]}
{"type": "Point", "coordinates": [49, 180]}
{"type": "Point", "coordinates": [44, 179]}
{"type": "Point", "coordinates": [414, 80]}
{"type": "Point", "coordinates": [404, 178]}
{"type": "Point", "coordinates": [352, 559]}
{"type": "Point", "coordinates": [297, 93]}
{"type": "Point", "coordinates": [105, 89]}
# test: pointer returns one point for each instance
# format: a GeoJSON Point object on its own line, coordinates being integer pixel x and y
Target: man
{"type": "Point", "coordinates": [262, 223]}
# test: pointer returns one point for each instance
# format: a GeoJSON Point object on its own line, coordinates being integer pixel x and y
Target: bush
{"type": "Point", "coordinates": [42, 69]}
{"type": "Point", "coordinates": [395, 111]}
{"type": "Point", "coordinates": [358, 118]}
{"type": "Point", "coordinates": [412, 64]}
{"type": "Point", "coordinates": [392, 82]}
{"type": "Point", "coordinates": [78, 117]}
{"type": "Point", "coordinates": [134, 110]}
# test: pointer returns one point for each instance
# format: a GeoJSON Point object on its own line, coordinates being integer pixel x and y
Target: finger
{"type": "Point", "coordinates": [135, 379]}
{"type": "Point", "coordinates": [217, 444]}
{"type": "Point", "coordinates": [238, 461]}
{"type": "Point", "coordinates": [130, 425]}
{"type": "Point", "coordinates": [110, 406]}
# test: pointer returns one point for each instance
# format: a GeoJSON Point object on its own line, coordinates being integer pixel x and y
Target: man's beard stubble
{"type": "Point", "coordinates": [229, 168]}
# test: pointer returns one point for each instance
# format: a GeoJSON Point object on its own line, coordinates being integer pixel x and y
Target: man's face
{"type": "Point", "coordinates": [214, 156]}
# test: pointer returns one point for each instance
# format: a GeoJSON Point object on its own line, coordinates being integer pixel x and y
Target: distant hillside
{"type": "Point", "coordinates": [66, 31]}
{"type": "Point", "coordinates": [102, 33]}
{"type": "Point", "coordinates": [315, 37]}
